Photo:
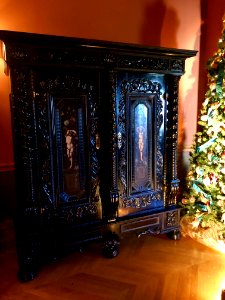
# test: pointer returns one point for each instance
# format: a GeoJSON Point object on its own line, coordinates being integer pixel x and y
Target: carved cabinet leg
{"type": "Point", "coordinates": [174, 234]}
{"type": "Point", "coordinates": [111, 245]}
{"type": "Point", "coordinates": [28, 249]}
{"type": "Point", "coordinates": [27, 231]}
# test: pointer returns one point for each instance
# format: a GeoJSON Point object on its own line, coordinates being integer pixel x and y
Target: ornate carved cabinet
{"type": "Point", "coordinates": [95, 142]}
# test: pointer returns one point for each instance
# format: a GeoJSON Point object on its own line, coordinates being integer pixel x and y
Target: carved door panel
{"type": "Point", "coordinates": [141, 117]}
{"type": "Point", "coordinates": [66, 107]}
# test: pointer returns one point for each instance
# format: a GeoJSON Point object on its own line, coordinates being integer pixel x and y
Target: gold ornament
{"type": "Point", "coordinates": [184, 201]}
{"type": "Point", "coordinates": [192, 200]}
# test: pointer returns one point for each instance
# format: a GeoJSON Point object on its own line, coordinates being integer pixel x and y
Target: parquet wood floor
{"type": "Point", "coordinates": [148, 268]}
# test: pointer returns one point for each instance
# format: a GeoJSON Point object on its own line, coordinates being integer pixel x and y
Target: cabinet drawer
{"type": "Point", "coordinates": [140, 223]}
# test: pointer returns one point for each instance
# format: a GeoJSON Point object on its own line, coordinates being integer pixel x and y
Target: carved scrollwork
{"type": "Point", "coordinates": [18, 53]}
{"type": "Point", "coordinates": [109, 59]}
{"type": "Point", "coordinates": [177, 65]}
{"type": "Point", "coordinates": [150, 63]}
{"type": "Point", "coordinates": [172, 218]}
{"type": "Point", "coordinates": [31, 211]}
{"type": "Point", "coordinates": [152, 198]}
{"type": "Point", "coordinates": [141, 85]}
{"type": "Point", "coordinates": [174, 189]}
{"type": "Point", "coordinates": [81, 56]}
{"type": "Point", "coordinates": [119, 140]}
{"type": "Point", "coordinates": [76, 214]}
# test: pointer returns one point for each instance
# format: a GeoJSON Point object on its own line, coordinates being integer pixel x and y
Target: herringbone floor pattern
{"type": "Point", "coordinates": [148, 268]}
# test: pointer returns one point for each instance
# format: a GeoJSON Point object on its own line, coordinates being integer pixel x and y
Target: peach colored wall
{"type": "Point", "coordinates": [168, 23]}
{"type": "Point", "coordinates": [215, 12]}
{"type": "Point", "coordinates": [211, 32]}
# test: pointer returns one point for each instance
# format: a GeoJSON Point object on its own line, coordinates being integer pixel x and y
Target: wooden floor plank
{"type": "Point", "coordinates": [151, 268]}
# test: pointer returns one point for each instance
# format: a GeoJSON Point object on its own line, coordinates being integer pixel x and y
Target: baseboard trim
{"type": "Point", "coordinates": [7, 167]}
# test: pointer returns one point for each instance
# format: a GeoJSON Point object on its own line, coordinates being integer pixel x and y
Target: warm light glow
{"type": "Point", "coordinates": [2, 65]}
{"type": "Point", "coordinates": [221, 283]}
{"type": "Point", "coordinates": [210, 285]}
{"type": "Point", "coordinates": [206, 236]}
{"type": "Point", "coordinates": [3, 58]}
{"type": "Point", "coordinates": [3, 51]}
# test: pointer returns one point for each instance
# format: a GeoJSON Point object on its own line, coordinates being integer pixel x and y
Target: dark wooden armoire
{"type": "Point", "coordinates": [95, 141]}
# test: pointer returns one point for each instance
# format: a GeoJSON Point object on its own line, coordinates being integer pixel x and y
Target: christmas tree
{"type": "Point", "coordinates": [204, 196]}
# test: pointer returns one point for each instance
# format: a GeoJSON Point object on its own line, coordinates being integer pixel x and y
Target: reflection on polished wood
{"type": "Point", "coordinates": [151, 268]}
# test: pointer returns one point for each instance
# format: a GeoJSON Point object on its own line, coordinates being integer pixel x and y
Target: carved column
{"type": "Point", "coordinates": [109, 190]}
{"type": "Point", "coordinates": [171, 180]}
{"type": "Point", "coordinates": [114, 195]}
{"type": "Point", "coordinates": [27, 219]}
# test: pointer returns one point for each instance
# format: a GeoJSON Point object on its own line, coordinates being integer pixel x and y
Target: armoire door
{"type": "Point", "coordinates": [141, 121]}
{"type": "Point", "coordinates": [67, 134]}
